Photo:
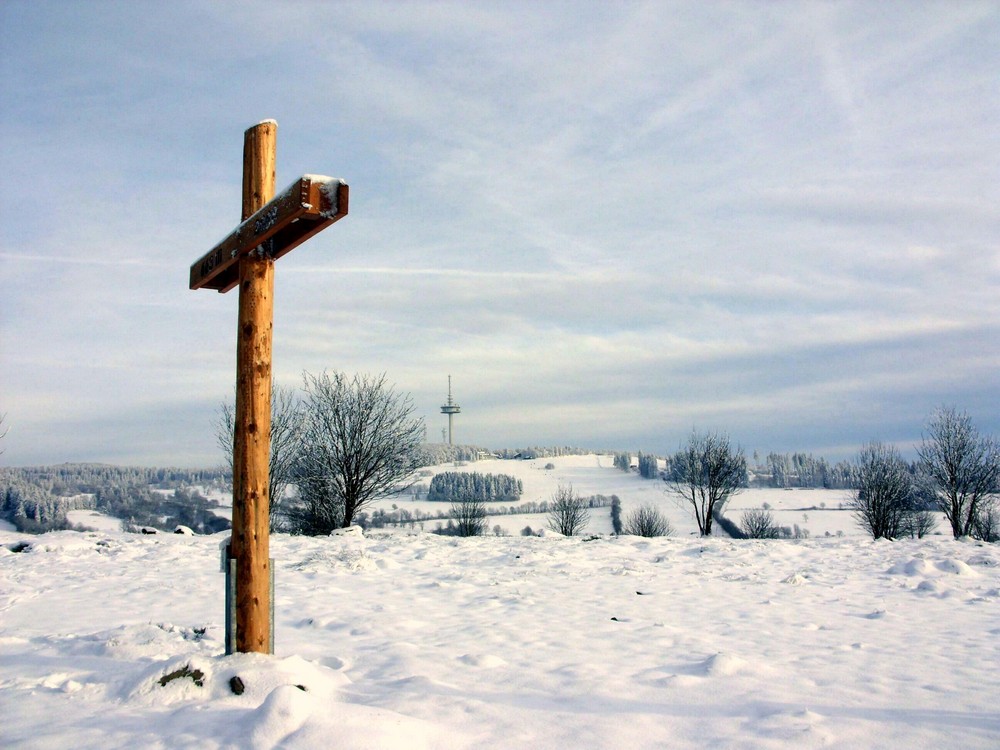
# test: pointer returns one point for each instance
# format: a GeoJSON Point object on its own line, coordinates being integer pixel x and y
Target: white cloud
{"type": "Point", "coordinates": [610, 222]}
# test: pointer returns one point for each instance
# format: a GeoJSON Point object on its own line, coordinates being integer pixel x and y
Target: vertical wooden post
{"type": "Point", "coordinates": [252, 439]}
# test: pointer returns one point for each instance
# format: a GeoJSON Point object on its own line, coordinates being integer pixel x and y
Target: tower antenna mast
{"type": "Point", "coordinates": [451, 409]}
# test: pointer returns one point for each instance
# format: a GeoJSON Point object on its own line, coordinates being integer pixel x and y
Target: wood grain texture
{"type": "Point", "coordinates": [252, 438]}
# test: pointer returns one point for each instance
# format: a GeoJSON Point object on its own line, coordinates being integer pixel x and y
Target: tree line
{"type": "Point", "coordinates": [38, 499]}
{"type": "Point", "coordinates": [87, 478]}
{"type": "Point", "coordinates": [453, 485]}
{"type": "Point", "coordinates": [782, 470]}
{"type": "Point", "coordinates": [435, 454]}
{"type": "Point", "coordinates": [778, 470]}
{"type": "Point", "coordinates": [32, 508]}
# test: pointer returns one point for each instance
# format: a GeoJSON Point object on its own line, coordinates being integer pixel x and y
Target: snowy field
{"type": "Point", "coordinates": [817, 511]}
{"type": "Point", "coordinates": [91, 519]}
{"type": "Point", "coordinates": [410, 640]}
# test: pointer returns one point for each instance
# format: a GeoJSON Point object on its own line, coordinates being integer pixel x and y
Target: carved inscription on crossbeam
{"type": "Point", "coordinates": [307, 206]}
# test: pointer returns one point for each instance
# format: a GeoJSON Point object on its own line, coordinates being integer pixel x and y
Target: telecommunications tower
{"type": "Point", "coordinates": [451, 409]}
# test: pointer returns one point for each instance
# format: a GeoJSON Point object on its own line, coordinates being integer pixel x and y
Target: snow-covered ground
{"type": "Point", "coordinates": [409, 640]}
{"type": "Point", "coordinates": [92, 519]}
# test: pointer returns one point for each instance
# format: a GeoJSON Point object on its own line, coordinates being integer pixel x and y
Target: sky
{"type": "Point", "coordinates": [610, 223]}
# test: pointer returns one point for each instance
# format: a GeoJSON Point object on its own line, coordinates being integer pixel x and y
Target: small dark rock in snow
{"type": "Point", "coordinates": [236, 685]}
{"type": "Point", "coordinates": [19, 547]}
{"type": "Point", "coordinates": [146, 530]}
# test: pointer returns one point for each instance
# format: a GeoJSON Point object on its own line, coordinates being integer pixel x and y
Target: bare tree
{"type": "Point", "coordinates": [286, 424]}
{"type": "Point", "coordinates": [758, 523]}
{"type": "Point", "coordinates": [705, 474]}
{"type": "Point", "coordinates": [648, 521]}
{"type": "Point", "coordinates": [359, 440]}
{"type": "Point", "coordinates": [962, 466]}
{"type": "Point", "coordinates": [567, 512]}
{"type": "Point", "coordinates": [883, 497]}
{"type": "Point", "coordinates": [469, 514]}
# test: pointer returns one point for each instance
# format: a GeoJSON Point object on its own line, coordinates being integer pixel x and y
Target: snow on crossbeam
{"type": "Point", "coordinates": [304, 208]}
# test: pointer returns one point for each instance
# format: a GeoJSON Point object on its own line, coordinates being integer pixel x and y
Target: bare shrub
{"type": "Point", "coordinates": [568, 514]}
{"type": "Point", "coordinates": [987, 524]}
{"type": "Point", "coordinates": [885, 488]}
{"type": "Point", "coordinates": [918, 523]}
{"type": "Point", "coordinates": [647, 521]}
{"type": "Point", "coordinates": [758, 523]}
{"type": "Point", "coordinates": [469, 514]}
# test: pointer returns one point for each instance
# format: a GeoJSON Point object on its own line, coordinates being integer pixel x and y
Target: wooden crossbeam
{"type": "Point", "coordinates": [306, 207]}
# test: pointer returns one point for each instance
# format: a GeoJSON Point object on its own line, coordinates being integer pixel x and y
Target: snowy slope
{"type": "Point", "coordinates": [817, 511]}
{"type": "Point", "coordinates": [418, 641]}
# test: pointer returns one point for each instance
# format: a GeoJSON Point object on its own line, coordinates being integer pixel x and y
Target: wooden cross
{"type": "Point", "coordinates": [271, 227]}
